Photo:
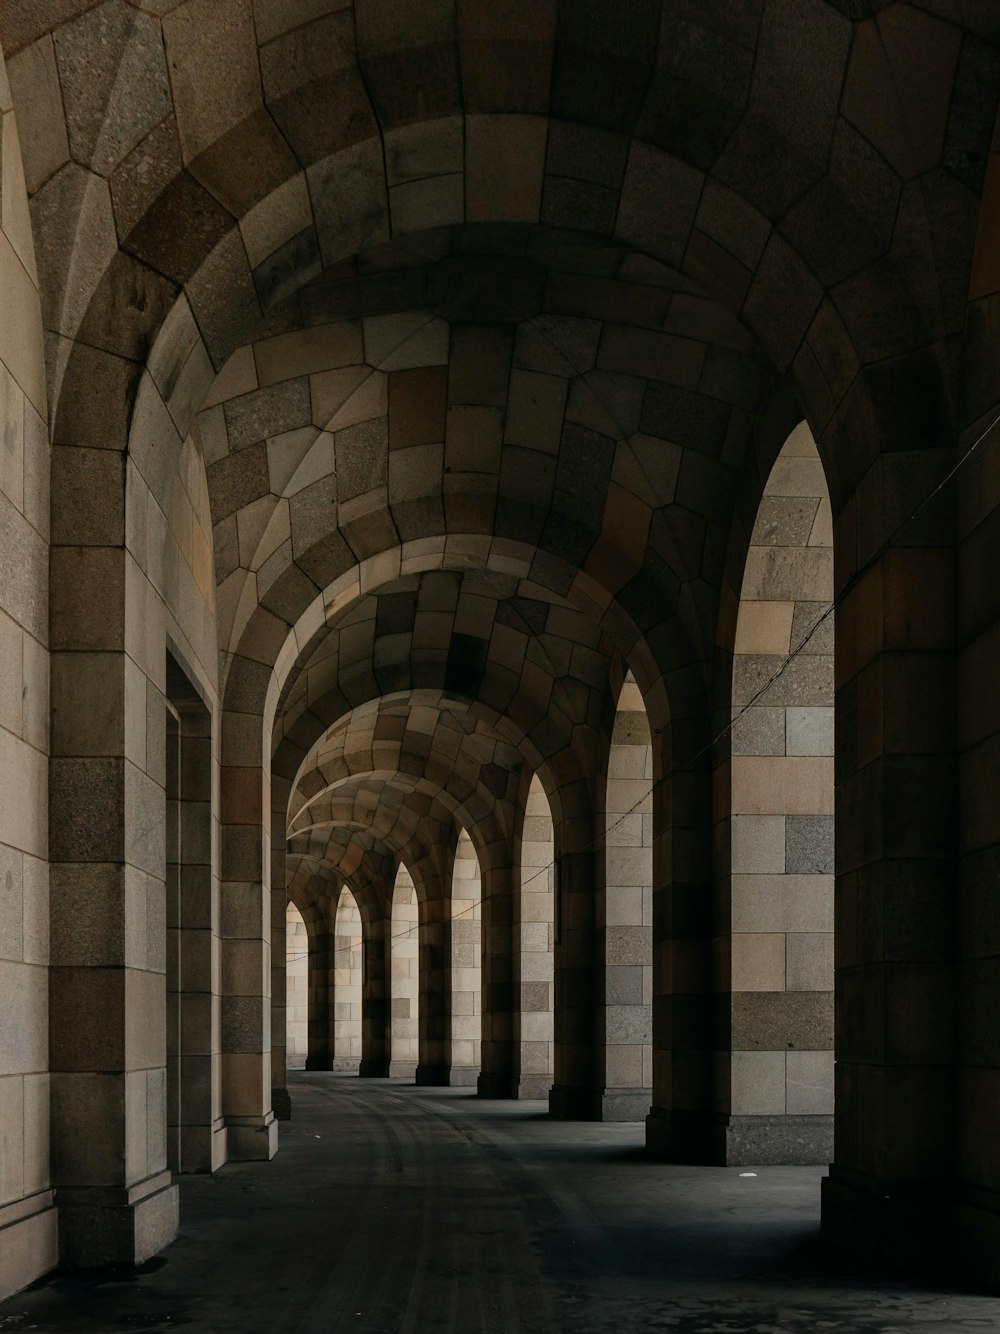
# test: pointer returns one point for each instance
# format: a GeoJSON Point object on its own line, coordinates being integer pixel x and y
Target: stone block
{"type": "Point", "coordinates": [214, 73]}
{"type": "Point", "coordinates": [809, 731]}
{"type": "Point", "coordinates": [34, 83]}
{"type": "Point", "coordinates": [23, 796]}
{"type": "Point", "coordinates": [809, 844]}
{"type": "Point", "coordinates": [349, 200]}
{"type": "Point", "coordinates": [758, 844]}
{"type": "Point", "coordinates": [29, 1247]}
{"type": "Point", "coordinates": [757, 1083]}
{"type": "Point", "coordinates": [504, 165]}
{"type": "Point", "coordinates": [759, 731]}
{"type": "Point", "coordinates": [780, 1021]}
{"type": "Point", "coordinates": [810, 961]}
{"type": "Point", "coordinates": [798, 1140]}
{"type": "Point", "coordinates": [758, 962]}
{"type": "Point", "coordinates": [810, 1083]}
{"type": "Point", "coordinates": [650, 177]}
{"type": "Point", "coordinates": [782, 903]}
{"type": "Point", "coordinates": [535, 411]}
{"type": "Point", "coordinates": [114, 82]}
{"type": "Point", "coordinates": [800, 786]}
{"type": "Point", "coordinates": [12, 1127]}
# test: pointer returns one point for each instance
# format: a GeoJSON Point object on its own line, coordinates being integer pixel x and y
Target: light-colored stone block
{"type": "Point", "coordinates": [810, 1083]}
{"type": "Point", "coordinates": [758, 1083]}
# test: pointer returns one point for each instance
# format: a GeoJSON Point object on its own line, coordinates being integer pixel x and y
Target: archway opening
{"type": "Point", "coordinates": [347, 983]}
{"type": "Point", "coordinates": [404, 974]}
{"type": "Point", "coordinates": [625, 915]}
{"type": "Point", "coordinates": [780, 1090]}
{"type": "Point", "coordinates": [297, 985]}
{"type": "Point", "coordinates": [536, 935]}
{"type": "Point", "coordinates": [466, 962]}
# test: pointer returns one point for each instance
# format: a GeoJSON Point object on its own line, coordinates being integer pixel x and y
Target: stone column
{"type": "Point", "coordinates": [575, 1053]}
{"type": "Point", "coordinates": [319, 929]}
{"type": "Point", "coordinates": [281, 1102]}
{"type": "Point", "coordinates": [432, 876]}
{"type": "Point", "coordinates": [107, 984]}
{"type": "Point", "coordinates": [687, 1021]}
{"type": "Point", "coordinates": [197, 1133]}
{"type": "Point", "coordinates": [498, 1064]}
{"type": "Point", "coordinates": [435, 989]}
{"type": "Point", "coordinates": [977, 1215]}
{"type": "Point", "coordinates": [246, 941]}
{"type": "Point", "coordinates": [376, 1034]}
{"type": "Point", "coordinates": [890, 1186]}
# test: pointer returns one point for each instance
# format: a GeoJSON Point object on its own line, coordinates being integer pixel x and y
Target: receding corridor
{"type": "Point", "coordinates": [394, 1209]}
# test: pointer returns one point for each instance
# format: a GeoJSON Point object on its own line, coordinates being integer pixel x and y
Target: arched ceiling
{"type": "Point", "coordinates": [601, 418]}
{"type": "Point", "coordinates": [485, 320]}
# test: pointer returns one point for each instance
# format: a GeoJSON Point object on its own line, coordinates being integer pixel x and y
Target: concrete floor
{"type": "Point", "coordinates": [397, 1210]}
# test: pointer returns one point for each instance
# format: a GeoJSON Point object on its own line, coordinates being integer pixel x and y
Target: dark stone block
{"type": "Point", "coordinates": [689, 419]}
{"type": "Point", "coordinates": [287, 268]}
{"type": "Point", "coordinates": [782, 1020]}
{"type": "Point", "coordinates": [180, 228]}
{"type": "Point", "coordinates": [254, 417]}
{"type": "Point", "coordinates": [237, 480]}
{"type": "Point", "coordinates": [809, 844]}
{"type": "Point", "coordinates": [776, 1141]}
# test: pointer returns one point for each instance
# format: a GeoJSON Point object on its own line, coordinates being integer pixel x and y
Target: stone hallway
{"type": "Point", "coordinates": [393, 1209]}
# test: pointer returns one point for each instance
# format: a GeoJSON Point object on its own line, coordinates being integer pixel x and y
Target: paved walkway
{"type": "Point", "coordinates": [397, 1210]}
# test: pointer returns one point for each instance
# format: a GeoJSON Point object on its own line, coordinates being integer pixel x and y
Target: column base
{"type": "Point", "coordinates": [622, 1104]}
{"type": "Point", "coordinates": [252, 1139]}
{"type": "Point", "coordinates": [906, 1225]}
{"type": "Point", "coordinates": [281, 1104]}
{"type": "Point", "coordinates": [976, 1236]}
{"type": "Point", "coordinates": [403, 1070]}
{"type": "Point", "coordinates": [570, 1103]}
{"type": "Point", "coordinates": [526, 1088]}
{"type": "Point", "coordinates": [778, 1141]}
{"type": "Point", "coordinates": [202, 1148]}
{"type": "Point", "coordinates": [375, 1067]}
{"type": "Point", "coordinates": [103, 1225]}
{"type": "Point", "coordinates": [29, 1241]}
{"type": "Point", "coordinates": [683, 1137]}
{"type": "Point", "coordinates": [446, 1076]}
{"type": "Point", "coordinates": [532, 1088]}
{"type": "Point", "coordinates": [496, 1086]}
